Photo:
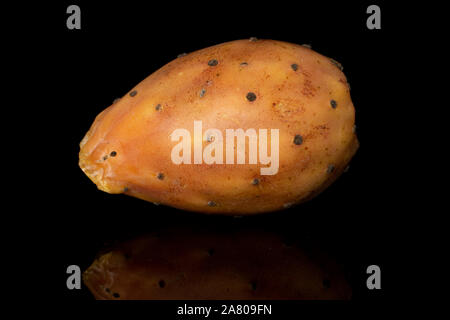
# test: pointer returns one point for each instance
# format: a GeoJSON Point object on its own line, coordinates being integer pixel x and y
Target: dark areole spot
{"type": "Point", "coordinates": [202, 93]}
{"type": "Point", "coordinates": [211, 203]}
{"type": "Point", "coordinates": [108, 290]}
{"type": "Point", "coordinates": [125, 189]}
{"type": "Point", "coordinates": [160, 176]}
{"type": "Point", "coordinates": [113, 154]}
{"type": "Point", "coordinates": [294, 66]}
{"type": "Point", "coordinates": [288, 241]}
{"type": "Point", "coordinates": [213, 62]}
{"type": "Point", "coordinates": [105, 157]}
{"type": "Point", "coordinates": [298, 140]}
{"type": "Point", "coordinates": [162, 283]}
{"type": "Point", "coordinates": [337, 64]}
{"type": "Point", "coordinates": [255, 181]}
{"type": "Point", "coordinates": [244, 64]}
{"type": "Point", "coordinates": [251, 96]}
{"type": "Point", "coordinates": [211, 251]}
{"type": "Point", "coordinates": [133, 93]}
{"type": "Point", "coordinates": [333, 104]}
{"type": "Point", "coordinates": [116, 295]}
{"type": "Point", "coordinates": [330, 168]}
{"type": "Point", "coordinates": [288, 205]}
{"type": "Point", "coordinates": [158, 107]}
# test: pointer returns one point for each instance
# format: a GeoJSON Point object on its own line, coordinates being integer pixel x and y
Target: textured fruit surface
{"type": "Point", "coordinates": [245, 264]}
{"type": "Point", "coordinates": [262, 84]}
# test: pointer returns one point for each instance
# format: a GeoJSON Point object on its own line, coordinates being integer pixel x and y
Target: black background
{"type": "Point", "coordinates": [82, 71]}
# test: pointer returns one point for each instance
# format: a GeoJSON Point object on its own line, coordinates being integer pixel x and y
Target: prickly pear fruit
{"type": "Point", "coordinates": [167, 141]}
